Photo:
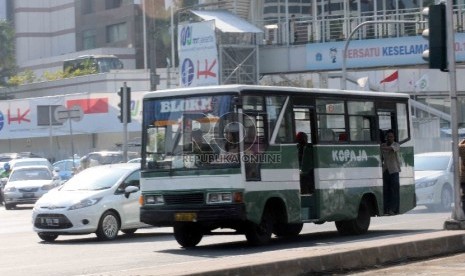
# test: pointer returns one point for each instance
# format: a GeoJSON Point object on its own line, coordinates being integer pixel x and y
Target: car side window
{"type": "Point", "coordinates": [131, 180]}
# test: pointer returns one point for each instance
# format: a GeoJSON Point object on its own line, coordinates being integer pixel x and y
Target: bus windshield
{"type": "Point", "coordinates": [191, 132]}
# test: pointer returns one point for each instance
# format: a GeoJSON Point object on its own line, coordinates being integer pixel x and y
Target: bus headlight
{"type": "Point", "coordinates": [154, 199]}
{"type": "Point", "coordinates": [223, 197]}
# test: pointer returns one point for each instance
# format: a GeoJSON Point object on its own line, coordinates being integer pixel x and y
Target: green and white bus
{"type": "Point", "coordinates": [226, 157]}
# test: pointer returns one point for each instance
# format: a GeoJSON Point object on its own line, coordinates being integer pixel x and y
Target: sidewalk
{"type": "Point", "coordinates": [319, 260]}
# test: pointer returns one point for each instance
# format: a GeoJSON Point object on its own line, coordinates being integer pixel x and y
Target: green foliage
{"type": "Point", "coordinates": [22, 78]}
{"type": "Point", "coordinates": [7, 52]}
{"type": "Point", "coordinates": [51, 76]}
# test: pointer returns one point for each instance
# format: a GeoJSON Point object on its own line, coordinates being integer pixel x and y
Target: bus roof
{"type": "Point", "coordinates": [231, 88]}
{"type": "Point", "coordinates": [92, 56]}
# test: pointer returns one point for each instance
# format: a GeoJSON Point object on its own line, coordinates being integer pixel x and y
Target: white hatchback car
{"type": "Point", "coordinates": [102, 200]}
{"type": "Point", "coordinates": [434, 180]}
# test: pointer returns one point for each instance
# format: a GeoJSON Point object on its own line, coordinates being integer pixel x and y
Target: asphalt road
{"type": "Point", "coordinates": [155, 250]}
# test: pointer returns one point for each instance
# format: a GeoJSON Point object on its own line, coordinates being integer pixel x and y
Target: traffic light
{"type": "Point", "coordinates": [436, 55]}
{"type": "Point", "coordinates": [124, 104]}
{"type": "Point", "coordinates": [128, 104]}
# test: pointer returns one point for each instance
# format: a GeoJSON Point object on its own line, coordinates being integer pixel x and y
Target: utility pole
{"type": "Point", "coordinates": [457, 222]}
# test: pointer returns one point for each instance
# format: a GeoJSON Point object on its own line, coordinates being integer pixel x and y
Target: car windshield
{"type": "Point", "coordinates": [30, 174]}
{"type": "Point", "coordinates": [431, 163]}
{"type": "Point", "coordinates": [96, 178]}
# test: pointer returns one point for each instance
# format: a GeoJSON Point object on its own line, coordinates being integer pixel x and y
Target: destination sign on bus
{"type": "Point", "coordinates": [197, 104]}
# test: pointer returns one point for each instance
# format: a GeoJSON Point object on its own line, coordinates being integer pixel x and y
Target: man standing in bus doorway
{"type": "Point", "coordinates": [391, 168]}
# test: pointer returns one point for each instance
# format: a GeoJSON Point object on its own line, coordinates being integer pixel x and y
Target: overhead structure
{"type": "Point", "coordinates": [237, 44]}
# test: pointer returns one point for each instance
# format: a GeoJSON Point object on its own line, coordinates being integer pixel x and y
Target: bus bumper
{"type": "Point", "coordinates": [218, 214]}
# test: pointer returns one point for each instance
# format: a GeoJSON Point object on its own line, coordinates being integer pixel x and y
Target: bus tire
{"type": "Point", "coordinates": [358, 225]}
{"type": "Point", "coordinates": [260, 234]}
{"type": "Point", "coordinates": [288, 229]}
{"type": "Point", "coordinates": [187, 234]}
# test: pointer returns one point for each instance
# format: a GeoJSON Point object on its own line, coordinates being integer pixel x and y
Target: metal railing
{"type": "Point", "coordinates": [330, 28]}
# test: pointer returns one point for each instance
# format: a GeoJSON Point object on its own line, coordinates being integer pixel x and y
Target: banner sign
{"type": "Point", "coordinates": [34, 117]}
{"type": "Point", "coordinates": [374, 52]}
{"type": "Point", "coordinates": [198, 54]}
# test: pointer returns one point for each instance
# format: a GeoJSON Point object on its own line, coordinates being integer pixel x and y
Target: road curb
{"type": "Point", "coordinates": [445, 242]}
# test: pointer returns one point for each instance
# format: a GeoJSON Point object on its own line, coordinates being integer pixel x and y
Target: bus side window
{"type": "Point", "coordinates": [326, 134]}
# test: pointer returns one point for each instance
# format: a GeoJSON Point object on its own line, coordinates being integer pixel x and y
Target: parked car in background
{"type": "Point", "coordinates": [106, 157]}
{"type": "Point", "coordinates": [102, 200]}
{"type": "Point", "coordinates": [434, 180]}
{"type": "Point", "coordinates": [66, 168]}
{"type": "Point", "coordinates": [135, 160]}
{"type": "Point", "coordinates": [27, 184]}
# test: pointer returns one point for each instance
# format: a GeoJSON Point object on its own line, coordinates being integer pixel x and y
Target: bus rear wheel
{"type": "Point", "coordinates": [358, 225]}
{"type": "Point", "coordinates": [187, 234]}
{"type": "Point", "coordinates": [260, 234]}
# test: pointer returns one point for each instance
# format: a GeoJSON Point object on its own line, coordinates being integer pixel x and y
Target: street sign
{"type": "Point", "coordinates": [62, 114]}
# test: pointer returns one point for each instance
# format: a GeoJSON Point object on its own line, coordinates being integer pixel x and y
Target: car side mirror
{"type": "Point", "coordinates": [129, 190]}
{"type": "Point", "coordinates": [57, 169]}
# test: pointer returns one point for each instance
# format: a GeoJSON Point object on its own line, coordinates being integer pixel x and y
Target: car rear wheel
{"type": "Point", "coordinates": [9, 206]}
{"type": "Point", "coordinates": [108, 226]}
{"type": "Point", "coordinates": [47, 237]}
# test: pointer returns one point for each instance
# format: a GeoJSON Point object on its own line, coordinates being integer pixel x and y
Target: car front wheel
{"type": "Point", "coordinates": [446, 199]}
{"type": "Point", "coordinates": [108, 226]}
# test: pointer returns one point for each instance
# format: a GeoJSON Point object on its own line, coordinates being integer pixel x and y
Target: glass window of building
{"type": "Point", "coordinates": [117, 32]}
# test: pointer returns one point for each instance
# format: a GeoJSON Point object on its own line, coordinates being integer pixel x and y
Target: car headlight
{"type": "Point", "coordinates": [427, 183]}
{"type": "Point", "coordinates": [10, 189]}
{"type": "Point", "coordinates": [85, 203]}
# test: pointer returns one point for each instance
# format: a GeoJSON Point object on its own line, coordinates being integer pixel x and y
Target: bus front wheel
{"type": "Point", "coordinates": [187, 234]}
{"type": "Point", "coordinates": [260, 234]}
{"type": "Point", "coordinates": [358, 225]}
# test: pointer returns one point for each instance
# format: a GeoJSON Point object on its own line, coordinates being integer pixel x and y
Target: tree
{"type": "Point", "coordinates": [7, 52]}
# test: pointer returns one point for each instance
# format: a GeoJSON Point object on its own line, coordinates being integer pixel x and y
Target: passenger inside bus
{"type": "Point", "coordinates": [307, 183]}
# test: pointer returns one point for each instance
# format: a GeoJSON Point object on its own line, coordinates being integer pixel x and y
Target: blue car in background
{"type": "Point", "coordinates": [65, 168]}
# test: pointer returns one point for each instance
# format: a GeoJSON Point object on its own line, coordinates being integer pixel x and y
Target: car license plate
{"type": "Point", "coordinates": [185, 217]}
{"type": "Point", "coordinates": [28, 195]}
{"type": "Point", "coordinates": [50, 221]}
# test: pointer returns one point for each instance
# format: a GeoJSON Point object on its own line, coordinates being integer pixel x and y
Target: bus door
{"type": "Point", "coordinates": [305, 136]}
{"type": "Point", "coordinates": [386, 121]}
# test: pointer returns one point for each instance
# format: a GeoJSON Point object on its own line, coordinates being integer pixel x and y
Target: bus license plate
{"type": "Point", "coordinates": [185, 217]}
